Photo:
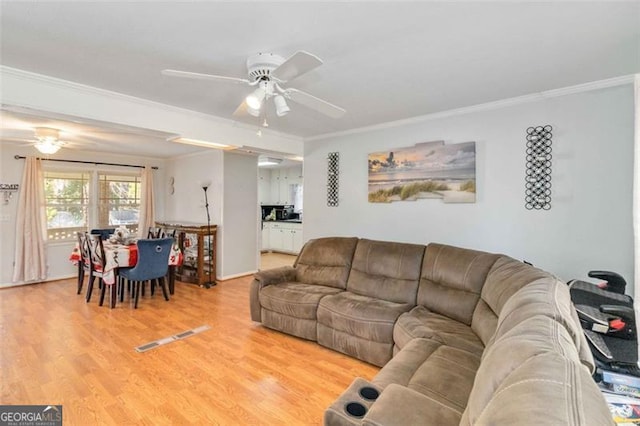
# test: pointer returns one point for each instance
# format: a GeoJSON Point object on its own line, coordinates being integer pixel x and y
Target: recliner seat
{"type": "Point", "coordinates": [382, 285]}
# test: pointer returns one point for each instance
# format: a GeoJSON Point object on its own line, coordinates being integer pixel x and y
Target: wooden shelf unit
{"type": "Point", "coordinates": [198, 268]}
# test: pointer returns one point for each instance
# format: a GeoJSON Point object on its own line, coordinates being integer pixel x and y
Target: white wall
{"type": "Point", "coordinates": [187, 203]}
{"type": "Point", "coordinates": [57, 252]}
{"type": "Point", "coordinates": [233, 203]}
{"type": "Point", "coordinates": [240, 214]}
{"type": "Point", "coordinates": [588, 227]}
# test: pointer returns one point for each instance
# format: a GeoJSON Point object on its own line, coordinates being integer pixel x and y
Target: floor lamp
{"type": "Point", "coordinates": [205, 186]}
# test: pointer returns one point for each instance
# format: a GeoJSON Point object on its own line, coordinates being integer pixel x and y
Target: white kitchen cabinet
{"type": "Point", "coordinates": [266, 229]}
{"type": "Point", "coordinates": [287, 239]}
{"type": "Point", "coordinates": [283, 236]}
{"type": "Point", "coordinates": [294, 175]}
{"type": "Point", "coordinates": [285, 191]}
{"type": "Point", "coordinates": [297, 239]}
{"type": "Point", "coordinates": [279, 187]}
{"type": "Point", "coordinates": [276, 237]}
{"type": "Point", "coordinates": [264, 186]}
{"type": "Point", "coordinates": [275, 184]}
{"type": "Point", "coordinates": [274, 187]}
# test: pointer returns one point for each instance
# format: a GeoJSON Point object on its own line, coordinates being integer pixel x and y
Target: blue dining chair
{"type": "Point", "coordinates": [153, 264]}
{"type": "Point", "coordinates": [104, 233]}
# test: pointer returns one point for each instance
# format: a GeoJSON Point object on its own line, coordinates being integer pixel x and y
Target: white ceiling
{"type": "Point", "coordinates": [383, 61]}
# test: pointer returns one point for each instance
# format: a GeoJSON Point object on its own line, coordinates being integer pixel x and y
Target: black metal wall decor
{"type": "Point", "coordinates": [333, 173]}
{"type": "Point", "coordinates": [538, 177]}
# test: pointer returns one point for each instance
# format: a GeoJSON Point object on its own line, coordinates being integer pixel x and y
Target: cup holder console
{"type": "Point", "coordinates": [369, 393]}
{"type": "Point", "coordinates": [353, 405]}
{"type": "Point", "coordinates": [355, 409]}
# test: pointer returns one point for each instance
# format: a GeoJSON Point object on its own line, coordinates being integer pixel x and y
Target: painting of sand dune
{"type": "Point", "coordinates": [425, 170]}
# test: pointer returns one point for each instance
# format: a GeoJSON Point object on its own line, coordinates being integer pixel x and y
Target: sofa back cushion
{"type": "Point", "coordinates": [452, 279]}
{"type": "Point", "coordinates": [386, 270]}
{"type": "Point", "coordinates": [550, 298]}
{"type": "Point", "coordinates": [534, 368]}
{"type": "Point", "coordinates": [548, 389]}
{"type": "Point", "coordinates": [505, 277]}
{"type": "Point", "coordinates": [326, 261]}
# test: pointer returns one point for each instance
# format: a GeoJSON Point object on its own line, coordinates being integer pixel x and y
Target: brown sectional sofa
{"type": "Point", "coordinates": [462, 336]}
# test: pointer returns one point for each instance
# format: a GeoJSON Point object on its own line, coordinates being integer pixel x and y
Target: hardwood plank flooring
{"type": "Point", "coordinates": [275, 260]}
{"type": "Point", "coordinates": [57, 349]}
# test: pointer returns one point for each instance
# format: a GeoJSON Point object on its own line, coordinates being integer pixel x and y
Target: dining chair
{"type": "Point", "coordinates": [167, 232]}
{"type": "Point", "coordinates": [104, 233]}
{"type": "Point", "coordinates": [84, 263]}
{"type": "Point", "coordinates": [153, 232]}
{"type": "Point", "coordinates": [153, 264]}
{"type": "Point", "coordinates": [96, 261]}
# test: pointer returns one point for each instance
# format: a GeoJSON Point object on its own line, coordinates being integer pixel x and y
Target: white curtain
{"type": "Point", "coordinates": [30, 254]}
{"type": "Point", "coordinates": [147, 203]}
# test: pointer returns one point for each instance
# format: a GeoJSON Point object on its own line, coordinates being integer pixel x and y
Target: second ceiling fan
{"type": "Point", "coordinates": [268, 73]}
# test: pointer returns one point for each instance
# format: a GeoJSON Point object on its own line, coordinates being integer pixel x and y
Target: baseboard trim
{"type": "Point", "coordinates": [230, 277]}
{"type": "Point", "coordinates": [21, 283]}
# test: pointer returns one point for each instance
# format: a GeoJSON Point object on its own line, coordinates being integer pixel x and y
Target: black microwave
{"type": "Point", "coordinates": [283, 214]}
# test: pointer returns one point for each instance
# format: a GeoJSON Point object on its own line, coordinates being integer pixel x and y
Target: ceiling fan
{"type": "Point", "coordinates": [269, 73]}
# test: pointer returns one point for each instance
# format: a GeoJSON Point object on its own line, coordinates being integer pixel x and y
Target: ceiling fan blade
{"type": "Point", "coordinates": [198, 76]}
{"type": "Point", "coordinates": [314, 103]}
{"type": "Point", "coordinates": [296, 65]}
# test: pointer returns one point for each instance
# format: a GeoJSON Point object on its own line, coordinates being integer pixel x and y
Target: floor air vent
{"type": "Point", "coordinates": [165, 340]}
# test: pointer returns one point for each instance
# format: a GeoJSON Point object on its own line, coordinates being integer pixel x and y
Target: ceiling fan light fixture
{"type": "Point", "coordinates": [254, 100]}
{"type": "Point", "coordinates": [282, 108]}
{"type": "Point", "coordinates": [199, 142]}
{"type": "Point", "coordinates": [268, 161]}
{"type": "Point", "coordinates": [47, 141]}
{"type": "Point", "coordinates": [252, 111]}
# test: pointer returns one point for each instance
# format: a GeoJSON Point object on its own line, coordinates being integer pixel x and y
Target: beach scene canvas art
{"type": "Point", "coordinates": [425, 170]}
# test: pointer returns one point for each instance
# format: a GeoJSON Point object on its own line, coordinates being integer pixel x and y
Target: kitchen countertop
{"type": "Point", "coordinates": [283, 221]}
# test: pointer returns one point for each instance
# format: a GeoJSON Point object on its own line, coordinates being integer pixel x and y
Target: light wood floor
{"type": "Point", "coordinates": [57, 349]}
{"type": "Point", "coordinates": [275, 260]}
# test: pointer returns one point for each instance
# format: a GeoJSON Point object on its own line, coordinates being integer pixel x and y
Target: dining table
{"type": "Point", "coordinates": [125, 255]}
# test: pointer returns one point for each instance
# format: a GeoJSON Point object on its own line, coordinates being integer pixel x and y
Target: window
{"type": "Point", "coordinates": [119, 202]}
{"type": "Point", "coordinates": [66, 202]}
{"type": "Point", "coordinates": [72, 203]}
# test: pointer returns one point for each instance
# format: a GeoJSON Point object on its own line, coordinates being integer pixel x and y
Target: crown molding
{"type": "Point", "coordinates": [83, 88]}
{"type": "Point", "coordinates": [534, 97]}
{"type": "Point", "coordinates": [504, 103]}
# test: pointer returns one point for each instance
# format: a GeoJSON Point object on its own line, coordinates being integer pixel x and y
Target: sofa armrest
{"type": "Point", "coordinates": [262, 279]}
{"type": "Point", "coordinates": [275, 276]}
{"type": "Point", "coordinates": [399, 405]}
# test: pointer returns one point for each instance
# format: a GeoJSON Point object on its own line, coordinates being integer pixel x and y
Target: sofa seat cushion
{"type": "Point", "coordinates": [443, 373]}
{"type": "Point", "coordinates": [401, 406]}
{"type": "Point", "coordinates": [361, 316]}
{"type": "Point", "coordinates": [421, 322]}
{"type": "Point", "coordinates": [294, 299]}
